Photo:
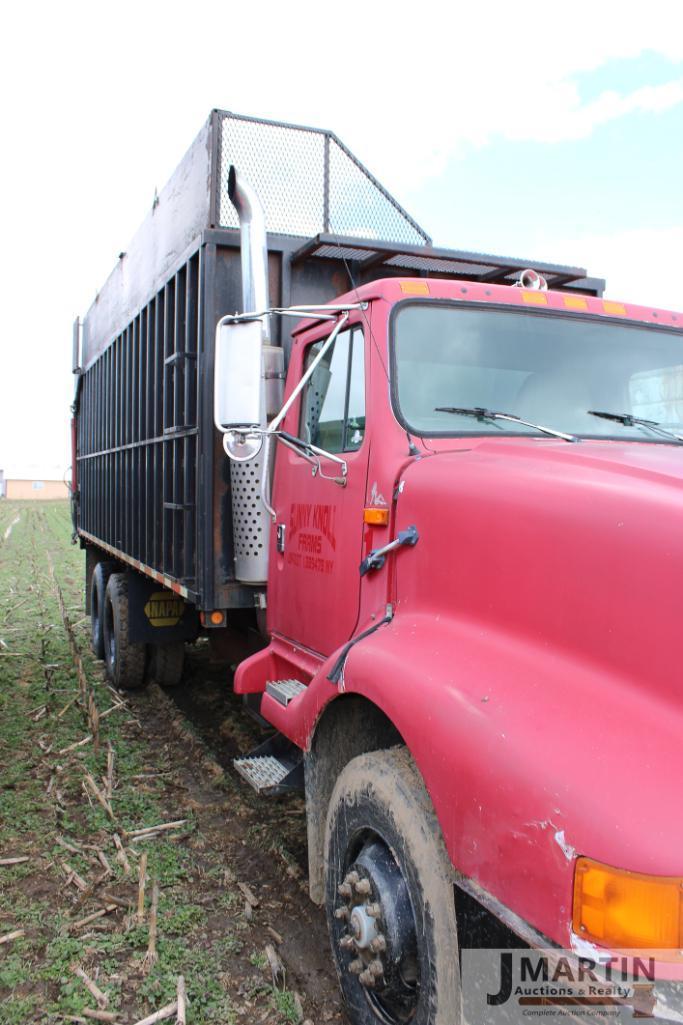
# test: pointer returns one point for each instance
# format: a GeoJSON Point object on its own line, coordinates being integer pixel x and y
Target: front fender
{"type": "Point", "coordinates": [530, 758]}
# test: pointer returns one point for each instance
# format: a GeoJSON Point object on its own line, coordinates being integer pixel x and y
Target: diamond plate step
{"type": "Point", "coordinates": [274, 767]}
{"type": "Point", "coordinates": [263, 772]}
{"type": "Point", "coordinates": [284, 691]}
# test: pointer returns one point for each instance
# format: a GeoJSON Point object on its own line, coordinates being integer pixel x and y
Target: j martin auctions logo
{"type": "Point", "coordinates": [508, 986]}
{"type": "Point", "coordinates": [540, 980]}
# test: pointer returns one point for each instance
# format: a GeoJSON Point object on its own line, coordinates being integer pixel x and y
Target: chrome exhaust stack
{"type": "Point", "coordinates": [249, 461]}
{"type": "Point", "coordinates": [253, 247]}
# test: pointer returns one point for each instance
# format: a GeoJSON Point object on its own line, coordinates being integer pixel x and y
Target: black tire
{"type": "Point", "coordinates": [125, 662]}
{"type": "Point", "coordinates": [386, 864]}
{"type": "Point", "coordinates": [166, 663]}
{"type": "Point", "coordinates": [98, 588]}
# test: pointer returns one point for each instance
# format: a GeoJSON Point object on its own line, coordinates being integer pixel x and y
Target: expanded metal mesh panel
{"type": "Point", "coordinates": [308, 183]}
{"type": "Point", "coordinates": [343, 253]}
{"type": "Point", "coordinates": [434, 264]}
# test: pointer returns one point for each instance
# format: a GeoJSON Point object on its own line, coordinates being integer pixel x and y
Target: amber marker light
{"type": "Point", "coordinates": [376, 517]}
{"type": "Point", "coordinates": [415, 288]}
{"type": "Point", "coordinates": [215, 618]}
{"type": "Point", "coordinates": [575, 302]}
{"type": "Point", "coordinates": [626, 910]}
{"type": "Point", "coordinates": [535, 298]}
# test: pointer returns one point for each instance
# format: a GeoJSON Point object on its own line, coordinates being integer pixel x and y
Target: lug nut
{"type": "Point", "coordinates": [356, 966]}
{"type": "Point", "coordinates": [347, 942]}
{"type": "Point", "coordinates": [376, 967]}
{"type": "Point", "coordinates": [351, 878]}
{"type": "Point", "coordinates": [344, 889]}
{"type": "Point", "coordinates": [378, 945]}
{"type": "Point", "coordinates": [363, 887]}
{"type": "Point", "coordinates": [366, 978]}
{"type": "Point", "coordinates": [374, 910]}
{"type": "Point", "coordinates": [341, 912]}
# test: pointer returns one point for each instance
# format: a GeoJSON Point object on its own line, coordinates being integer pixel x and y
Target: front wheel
{"type": "Point", "coordinates": [389, 896]}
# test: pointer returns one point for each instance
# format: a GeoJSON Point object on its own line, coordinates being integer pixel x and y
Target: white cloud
{"type": "Point", "coordinates": [567, 119]}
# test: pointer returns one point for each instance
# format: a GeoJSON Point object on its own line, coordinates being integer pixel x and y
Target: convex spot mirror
{"type": "Point", "coordinates": [238, 410]}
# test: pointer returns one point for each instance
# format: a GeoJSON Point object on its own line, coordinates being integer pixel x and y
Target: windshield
{"type": "Point", "coordinates": [548, 369]}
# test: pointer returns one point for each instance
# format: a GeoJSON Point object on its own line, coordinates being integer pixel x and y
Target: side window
{"type": "Point", "coordinates": [658, 395]}
{"type": "Point", "coordinates": [333, 405]}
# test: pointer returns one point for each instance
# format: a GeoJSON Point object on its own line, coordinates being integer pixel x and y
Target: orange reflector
{"type": "Point", "coordinates": [415, 287]}
{"type": "Point", "coordinates": [618, 309]}
{"type": "Point", "coordinates": [626, 910]}
{"type": "Point", "coordinates": [575, 302]}
{"type": "Point", "coordinates": [376, 517]}
{"type": "Point", "coordinates": [536, 298]}
{"type": "Point", "coordinates": [216, 617]}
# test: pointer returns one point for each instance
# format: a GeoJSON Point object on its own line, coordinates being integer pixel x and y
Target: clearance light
{"type": "Point", "coordinates": [376, 517]}
{"type": "Point", "coordinates": [535, 298]}
{"type": "Point", "coordinates": [625, 910]}
{"type": "Point", "coordinates": [415, 287]}
{"type": "Point", "coordinates": [215, 618]}
{"type": "Point", "coordinates": [575, 302]}
{"type": "Point", "coordinates": [616, 309]}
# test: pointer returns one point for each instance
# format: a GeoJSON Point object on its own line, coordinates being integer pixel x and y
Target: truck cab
{"type": "Point", "coordinates": [517, 641]}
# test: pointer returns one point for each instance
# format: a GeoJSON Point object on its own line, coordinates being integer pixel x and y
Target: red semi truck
{"type": "Point", "coordinates": [447, 555]}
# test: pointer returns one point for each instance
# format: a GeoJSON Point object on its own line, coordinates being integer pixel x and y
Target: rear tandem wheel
{"type": "Point", "coordinates": [166, 663]}
{"type": "Point", "coordinates": [98, 586]}
{"type": "Point", "coordinates": [125, 662]}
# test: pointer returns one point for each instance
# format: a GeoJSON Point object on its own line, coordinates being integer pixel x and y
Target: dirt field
{"type": "Point", "coordinates": [81, 772]}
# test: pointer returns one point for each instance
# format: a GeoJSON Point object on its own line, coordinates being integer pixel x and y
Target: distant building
{"type": "Point", "coordinates": [33, 482]}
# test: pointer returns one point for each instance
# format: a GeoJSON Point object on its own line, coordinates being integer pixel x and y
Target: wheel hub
{"type": "Point", "coordinates": [363, 927]}
{"type": "Point", "coordinates": [377, 932]}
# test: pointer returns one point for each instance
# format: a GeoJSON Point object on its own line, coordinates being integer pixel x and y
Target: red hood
{"type": "Point", "coordinates": [637, 459]}
{"type": "Point", "coordinates": [579, 546]}
{"type": "Point", "coordinates": [545, 594]}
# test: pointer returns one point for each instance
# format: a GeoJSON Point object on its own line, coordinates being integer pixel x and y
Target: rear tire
{"type": "Point", "coordinates": [389, 896]}
{"type": "Point", "coordinates": [98, 588]}
{"type": "Point", "coordinates": [166, 663]}
{"type": "Point", "coordinates": [125, 662]}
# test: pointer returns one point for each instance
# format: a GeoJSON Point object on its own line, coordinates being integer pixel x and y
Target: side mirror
{"type": "Point", "coordinates": [238, 403]}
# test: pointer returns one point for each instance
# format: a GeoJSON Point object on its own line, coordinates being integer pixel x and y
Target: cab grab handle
{"type": "Point", "coordinates": [376, 558]}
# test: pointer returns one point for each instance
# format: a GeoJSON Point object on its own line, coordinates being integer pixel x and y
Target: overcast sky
{"type": "Point", "coordinates": [549, 131]}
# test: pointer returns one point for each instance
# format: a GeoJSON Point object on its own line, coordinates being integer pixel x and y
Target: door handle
{"type": "Point", "coordinates": [376, 558]}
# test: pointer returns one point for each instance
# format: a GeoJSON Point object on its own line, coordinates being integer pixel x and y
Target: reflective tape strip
{"type": "Point", "coordinates": [171, 585]}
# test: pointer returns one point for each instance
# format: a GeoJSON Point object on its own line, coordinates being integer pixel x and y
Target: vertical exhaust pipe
{"type": "Point", "coordinates": [250, 517]}
{"type": "Point", "coordinates": [253, 247]}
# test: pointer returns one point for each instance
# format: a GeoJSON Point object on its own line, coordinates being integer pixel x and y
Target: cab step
{"type": "Point", "coordinates": [274, 767]}
{"type": "Point", "coordinates": [284, 691]}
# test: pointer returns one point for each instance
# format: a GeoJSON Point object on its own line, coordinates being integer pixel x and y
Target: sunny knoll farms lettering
{"type": "Point", "coordinates": [311, 535]}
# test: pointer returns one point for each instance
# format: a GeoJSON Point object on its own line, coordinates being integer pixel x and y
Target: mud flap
{"type": "Point", "coordinates": [158, 616]}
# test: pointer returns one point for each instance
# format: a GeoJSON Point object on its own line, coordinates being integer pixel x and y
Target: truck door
{"type": "Point", "coordinates": [314, 582]}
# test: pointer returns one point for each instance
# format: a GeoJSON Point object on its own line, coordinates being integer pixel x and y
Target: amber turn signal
{"type": "Point", "coordinates": [215, 618]}
{"type": "Point", "coordinates": [626, 910]}
{"type": "Point", "coordinates": [376, 517]}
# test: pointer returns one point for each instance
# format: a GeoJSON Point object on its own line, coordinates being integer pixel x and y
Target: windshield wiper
{"type": "Point", "coordinates": [628, 420]}
{"type": "Point", "coordinates": [491, 414]}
